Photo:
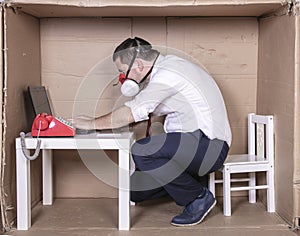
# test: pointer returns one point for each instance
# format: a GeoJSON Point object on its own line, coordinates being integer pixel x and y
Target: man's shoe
{"type": "Point", "coordinates": [195, 212]}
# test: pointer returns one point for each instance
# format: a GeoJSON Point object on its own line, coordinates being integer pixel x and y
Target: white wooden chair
{"type": "Point", "coordinates": [260, 158]}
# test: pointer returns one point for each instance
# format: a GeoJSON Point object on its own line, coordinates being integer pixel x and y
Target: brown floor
{"type": "Point", "coordinates": [91, 217]}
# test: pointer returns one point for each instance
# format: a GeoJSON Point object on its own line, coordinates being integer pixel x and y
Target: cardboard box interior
{"type": "Point", "coordinates": [68, 49]}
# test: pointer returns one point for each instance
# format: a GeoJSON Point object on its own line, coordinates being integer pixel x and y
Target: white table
{"type": "Point", "coordinates": [121, 142]}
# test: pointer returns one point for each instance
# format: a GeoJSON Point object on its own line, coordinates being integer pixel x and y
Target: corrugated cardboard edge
{"type": "Point", "coordinates": [293, 7]}
{"type": "Point", "coordinates": [296, 221]}
{"type": "Point", "coordinates": [155, 3]}
{"type": "Point", "coordinates": [93, 8]}
{"type": "Point", "coordinates": [3, 79]}
{"type": "Point", "coordinates": [1, 82]}
{"type": "Point", "coordinates": [296, 183]}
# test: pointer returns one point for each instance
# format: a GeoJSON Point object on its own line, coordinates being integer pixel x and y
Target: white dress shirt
{"type": "Point", "coordinates": [187, 95]}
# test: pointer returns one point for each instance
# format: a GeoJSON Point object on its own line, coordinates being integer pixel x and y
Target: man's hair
{"type": "Point", "coordinates": [126, 50]}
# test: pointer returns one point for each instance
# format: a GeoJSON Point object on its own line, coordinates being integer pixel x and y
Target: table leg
{"type": "Point", "coordinates": [23, 191]}
{"type": "Point", "coordinates": [124, 190]}
{"type": "Point", "coordinates": [47, 177]}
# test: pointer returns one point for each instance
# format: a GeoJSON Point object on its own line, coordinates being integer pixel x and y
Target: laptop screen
{"type": "Point", "coordinates": [39, 99]}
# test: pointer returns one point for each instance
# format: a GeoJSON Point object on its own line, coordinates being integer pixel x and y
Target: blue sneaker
{"type": "Point", "coordinates": [195, 212]}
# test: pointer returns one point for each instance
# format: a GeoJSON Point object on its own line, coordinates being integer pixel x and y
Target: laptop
{"type": "Point", "coordinates": [40, 102]}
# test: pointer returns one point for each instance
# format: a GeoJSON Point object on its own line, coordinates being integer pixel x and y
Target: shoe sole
{"type": "Point", "coordinates": [198, 222]}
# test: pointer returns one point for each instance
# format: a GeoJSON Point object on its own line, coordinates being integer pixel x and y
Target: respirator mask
{"type": "Point", "coordinates": [129, 86]}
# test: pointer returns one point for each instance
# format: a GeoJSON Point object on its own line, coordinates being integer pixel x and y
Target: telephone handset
{"type": "Point", "coordinates": [45, 125]}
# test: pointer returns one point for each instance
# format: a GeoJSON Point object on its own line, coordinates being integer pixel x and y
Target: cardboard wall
{"type": "Point", "coordinates": [275, 95]}
{"type": "Point", "coordinates": [75, 54]}
{"type": "Point", "coordinates": [23, 68]}
{"type": "Point", "coordinates": [77, 69]}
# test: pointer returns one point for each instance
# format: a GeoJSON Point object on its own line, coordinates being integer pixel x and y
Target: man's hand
{"type": "Point", "coordinates": [84, 117]}
{"type": "Point", "coordinates": [83, 122]}
{"type": "Point", "coordinates": [116, 119]}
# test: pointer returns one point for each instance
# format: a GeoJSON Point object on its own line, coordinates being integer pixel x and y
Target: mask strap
{"type": "Point", "coordinates": [131, 63]}
{"type": "Point", "coordinates": [149, 72]}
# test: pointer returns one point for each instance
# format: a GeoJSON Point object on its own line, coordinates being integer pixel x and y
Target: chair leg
{"type": "Point", "coordinates": [211, 183]}
{"type": "Point", "coordinates": [226, 192]}
{"type": "Point", "coordinates": [270, 190]}
{"type": "Point", "coordinates": [252, 183]}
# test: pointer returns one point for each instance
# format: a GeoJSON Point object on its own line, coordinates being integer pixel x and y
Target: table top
{"type": "Point", "coordinates": [96, 140]}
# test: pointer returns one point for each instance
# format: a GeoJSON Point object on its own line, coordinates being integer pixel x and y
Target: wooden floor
{"type": "Point", "coordinates": [91, 217]}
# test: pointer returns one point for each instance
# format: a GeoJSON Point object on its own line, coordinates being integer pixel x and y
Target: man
{"type": "Point", "coordinates": [197, 132]}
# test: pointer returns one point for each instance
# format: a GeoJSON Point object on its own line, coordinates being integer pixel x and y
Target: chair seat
{"type": "Point", "coordinates": [244, 159]}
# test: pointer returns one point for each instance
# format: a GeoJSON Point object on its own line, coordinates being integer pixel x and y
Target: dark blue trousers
{"type": "Point", "coordinates": [174, 164]}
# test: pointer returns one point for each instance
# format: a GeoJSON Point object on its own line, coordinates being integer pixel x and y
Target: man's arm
{"type": "Point", "coordinates": [116, 119]}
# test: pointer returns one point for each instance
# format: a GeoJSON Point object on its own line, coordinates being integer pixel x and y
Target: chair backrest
{"type": "Point", "coordinates": [260, 136]}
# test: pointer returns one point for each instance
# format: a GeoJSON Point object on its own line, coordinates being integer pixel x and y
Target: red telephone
{"type": "Point", "coordinates": [45, 125]}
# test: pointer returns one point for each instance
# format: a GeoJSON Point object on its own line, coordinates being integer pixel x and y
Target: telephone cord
{"type": "Point", "coordinates": [38, 145]}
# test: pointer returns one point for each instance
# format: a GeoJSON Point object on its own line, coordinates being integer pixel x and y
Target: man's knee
{"type": "Point", "coordinates": [139, 153]}
{"type": "Point", "coordinates": [141, 146]}
{"type": "Point", "coordinates": [135, 149]}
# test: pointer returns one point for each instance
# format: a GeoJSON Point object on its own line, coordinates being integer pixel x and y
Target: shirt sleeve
{"type": "Point", "coordinates": [149, 98]}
